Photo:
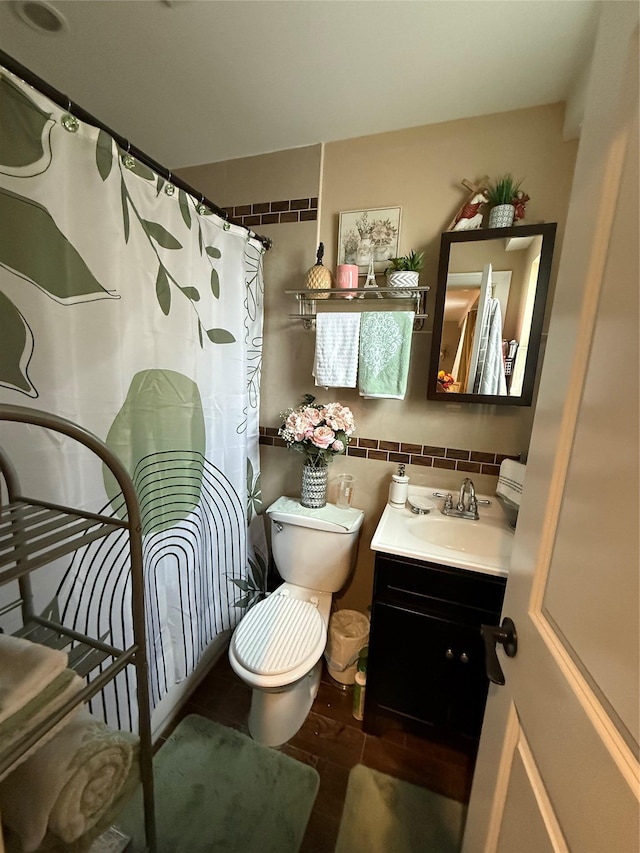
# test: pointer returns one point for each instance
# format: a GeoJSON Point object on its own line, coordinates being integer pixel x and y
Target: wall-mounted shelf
{"type": "Point", "coordinates": [312, 302]}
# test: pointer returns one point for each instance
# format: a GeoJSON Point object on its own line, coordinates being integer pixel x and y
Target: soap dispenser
{"type": "Point", "coordinates": [399, 488]}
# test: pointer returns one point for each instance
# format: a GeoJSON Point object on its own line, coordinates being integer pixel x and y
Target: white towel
{"type": "Point", "coordinates": [336, 361]}
{"type": "Point", "coordinates": [511, 480]}
{"type": "Point", "coordinates": [69, 784]}
{"type": "Point", "coordinates": [490, 378]}
{"type": "Point", "coordinates": [26, 668]}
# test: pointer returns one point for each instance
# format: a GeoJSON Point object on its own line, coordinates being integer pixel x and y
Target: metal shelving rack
{"type": "Point", "coordinates": [33, 533]}
{"type": "Point", "coordinates": [310, 302]}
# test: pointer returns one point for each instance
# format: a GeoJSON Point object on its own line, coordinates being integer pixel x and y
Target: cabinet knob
{"type": "Point", "coordinates": [449, 654]}
{"type": "Point", "coordinates": [464, 657]}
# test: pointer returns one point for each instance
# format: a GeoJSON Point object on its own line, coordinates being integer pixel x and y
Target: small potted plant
{"type": "Point", "coordinates": [404, 271]}
{"type": "Point", "coordinates": [502, 197]}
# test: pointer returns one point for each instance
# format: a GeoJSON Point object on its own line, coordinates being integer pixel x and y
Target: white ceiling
{"type": "Point", "coordinates": [198, 81]}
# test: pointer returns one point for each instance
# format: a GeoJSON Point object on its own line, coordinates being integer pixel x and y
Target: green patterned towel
{"type": "Point", "coordinates": [385, 351]}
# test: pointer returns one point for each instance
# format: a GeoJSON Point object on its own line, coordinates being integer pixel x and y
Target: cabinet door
{"type": "Point", "coordinates": [410, 672]}
{"type": "Point", "coordinates": [428, 669]}
{"type": "Point", "coordinates": [469, 682]}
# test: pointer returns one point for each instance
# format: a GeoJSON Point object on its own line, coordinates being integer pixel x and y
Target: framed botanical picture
{"type": "Point", "coordinates": [363, 234]}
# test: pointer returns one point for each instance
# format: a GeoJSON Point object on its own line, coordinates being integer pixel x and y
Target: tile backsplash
{"type": "Point", "coordinates": [430, 456]}
{"type": "Point", "coordinates": [274, 212]}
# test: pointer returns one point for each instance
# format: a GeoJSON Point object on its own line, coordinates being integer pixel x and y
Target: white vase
{"type": "Point", "coordinates": [364, 253]}
{"type": "Point", "coordinates": [403, 279]}
{"type": "Point", "coordinates": [381, 253]}
{"type": "Point", "coordinates": [501, 216]}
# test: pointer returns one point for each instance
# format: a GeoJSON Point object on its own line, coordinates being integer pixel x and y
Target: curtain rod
{"type": "Point", "coordinates": [67, 104]}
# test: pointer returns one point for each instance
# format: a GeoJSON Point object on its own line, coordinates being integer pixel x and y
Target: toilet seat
{"type": "Point", "coordinates": [279, 635]}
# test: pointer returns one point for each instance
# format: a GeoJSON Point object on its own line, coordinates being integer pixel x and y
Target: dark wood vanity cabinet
{"type": "Point", "coordinates": [426, 654]}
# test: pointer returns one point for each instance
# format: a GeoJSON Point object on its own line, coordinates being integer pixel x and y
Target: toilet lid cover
{"type": "Point", "coordinates": [279, 634]}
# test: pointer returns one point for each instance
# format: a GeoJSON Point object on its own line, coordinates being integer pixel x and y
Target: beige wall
{"type": "Point", "coordinates": [419, 169]}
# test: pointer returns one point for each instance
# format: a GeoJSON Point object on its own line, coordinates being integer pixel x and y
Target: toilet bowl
{"type": "Point", "coordinates": [277, 647]}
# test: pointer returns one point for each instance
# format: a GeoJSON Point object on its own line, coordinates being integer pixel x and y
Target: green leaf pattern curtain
{"type": "Point", "coordinates": [129, 308]}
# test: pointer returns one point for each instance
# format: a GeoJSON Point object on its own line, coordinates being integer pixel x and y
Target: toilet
{"type": "Point", "coordinates": [277, 647]}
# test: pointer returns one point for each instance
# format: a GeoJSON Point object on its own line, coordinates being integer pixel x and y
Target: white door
{"type": "Point", "coordinates": [558, 762]}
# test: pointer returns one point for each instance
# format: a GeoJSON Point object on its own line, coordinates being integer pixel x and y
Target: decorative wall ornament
{"type": "Point", "coordinates": [366, 235]}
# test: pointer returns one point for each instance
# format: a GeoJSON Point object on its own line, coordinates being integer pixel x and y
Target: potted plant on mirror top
{"type": "Point", "coordinates": [404, 271]}
{"type": "Point", "coordinates": [503, 196]}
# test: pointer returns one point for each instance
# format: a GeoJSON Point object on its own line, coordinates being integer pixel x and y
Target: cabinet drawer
{"type": "Point", "coordinates": [430, 587]}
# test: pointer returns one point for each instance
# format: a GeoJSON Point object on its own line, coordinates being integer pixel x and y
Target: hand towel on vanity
{"type": "Point", "coordinates": [336, 360]}
{"type": "Point", "coordinates": [509, 488]}
{"type": "Point", "coordinates": [27, 668]}
{"type": "Point", "coordinates": [385, 351]}
{"type": "Point", "coordinates": [511, 480]}
{"type": "Point", "coordinates": [69, 784]}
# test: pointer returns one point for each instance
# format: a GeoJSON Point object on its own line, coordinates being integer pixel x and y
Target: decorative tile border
{"type": "Point", "coordinates": [274, 212]}
{"type": "Point", "coordinates": [429, 456]}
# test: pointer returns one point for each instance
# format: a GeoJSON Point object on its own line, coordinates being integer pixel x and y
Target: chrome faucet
{"type": "Point", "coordinates": [467, 485]}
{"type": "Point", "coordinates": [460, 511]}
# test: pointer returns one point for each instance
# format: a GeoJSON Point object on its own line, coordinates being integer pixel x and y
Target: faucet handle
{"type": "Point", "coordinates": [448, 500]}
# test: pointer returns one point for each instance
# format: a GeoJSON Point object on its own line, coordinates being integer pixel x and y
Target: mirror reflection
{"type": "Point", "coordinates": [490, 302]}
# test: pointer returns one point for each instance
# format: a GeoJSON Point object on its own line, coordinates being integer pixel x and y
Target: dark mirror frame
{"type": "Point", "coordinates": [449, 238]}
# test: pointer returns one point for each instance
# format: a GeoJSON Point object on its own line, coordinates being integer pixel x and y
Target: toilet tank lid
{"type": "Point", "coordinates": [329, 517]}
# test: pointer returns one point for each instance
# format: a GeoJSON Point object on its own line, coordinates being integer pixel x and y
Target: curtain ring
{"type": "Point", "coordinates": [169, 187]}
{"type": "Point", "coordinates": [202, 209]}
{"type": "Point", "coordinates": [68, 120]}
{"type": "Point", "coordinates": [127, 159]}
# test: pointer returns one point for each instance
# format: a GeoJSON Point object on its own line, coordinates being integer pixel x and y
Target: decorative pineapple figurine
{"type": "Point", "coordinates": [319, 277]}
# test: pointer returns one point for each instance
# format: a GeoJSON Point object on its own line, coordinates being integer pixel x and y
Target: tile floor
{"type": "Point", "coordinates": [332, 741]}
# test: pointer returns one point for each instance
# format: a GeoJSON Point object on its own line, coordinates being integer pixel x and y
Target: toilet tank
{"type": "Point", "coordinates": [314, 548]}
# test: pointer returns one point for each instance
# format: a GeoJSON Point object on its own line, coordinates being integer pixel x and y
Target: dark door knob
{"type": "Point", "coordinates": [505, 634]}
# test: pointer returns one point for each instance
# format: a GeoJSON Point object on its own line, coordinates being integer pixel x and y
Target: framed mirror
{"type": "Point", "coordinates": [490, 304]}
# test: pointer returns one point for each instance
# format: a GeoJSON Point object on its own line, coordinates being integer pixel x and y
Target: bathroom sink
{"type": "Point", "coordinates": [483, 545]}
{"type": "Point", "coordinates": [456, 534]}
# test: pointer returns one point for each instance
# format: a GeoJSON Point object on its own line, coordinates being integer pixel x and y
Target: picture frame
{"type": "Point", "coordinates": [363, 234]}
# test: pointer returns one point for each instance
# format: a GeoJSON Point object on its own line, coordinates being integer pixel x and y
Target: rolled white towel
{"type": "Point", "coordinates": [69, 784]}
{"type": "Point", "coordinates": [37, 711]}
{"type": "Point", "coordinates": [511, 480]}
{"type": "Point", "coordinates": [27, 668]}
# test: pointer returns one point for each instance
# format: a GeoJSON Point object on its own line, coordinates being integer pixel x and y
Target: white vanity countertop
{"type": "Point", "coordinates": [482, 546]}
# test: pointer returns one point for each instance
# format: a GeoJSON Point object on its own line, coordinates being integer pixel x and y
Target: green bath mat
{"type": "Point", "coordinates": [218, 791]}
{"type": "Point", "coordinates": [386, 815]}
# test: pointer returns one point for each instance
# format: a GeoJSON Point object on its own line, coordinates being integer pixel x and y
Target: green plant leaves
{"type": "Point", "coordinates": [139, 168]}
{"type": "Point", "coordinates": [215, 284]}
{"type": "Point", "coordinates": [184, 208]}
{"type": "Point", "coordinates": [160, 234]}
{"type": "Point", "coordinates": [22, 127]}
{"type": "Point", "coordinates": [220, 336]}
{"type": "Point", "coordinates": [125, 209]}
{"type": "Point", "coordinates": [16, 349]}
{"type": "Point", "coordinates": [104, 155]}
{"type": "Point", "coordinates": [191, 293]}
{"type": "Point", "coordinates": [163, 291]}
{"type": "Point", "coordinates": [32, 245]}
{"type": "Point", "coordinates": [254, 492]}
{"type": "Point", "coordinates": [212, 252]}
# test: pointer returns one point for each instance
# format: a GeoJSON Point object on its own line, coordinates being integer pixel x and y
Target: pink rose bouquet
{"type": "Point", "coordinates": [317, 431]}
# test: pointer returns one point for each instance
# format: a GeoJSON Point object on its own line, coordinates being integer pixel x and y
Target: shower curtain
{"type": "Point", "coordinates": [129, 308]}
